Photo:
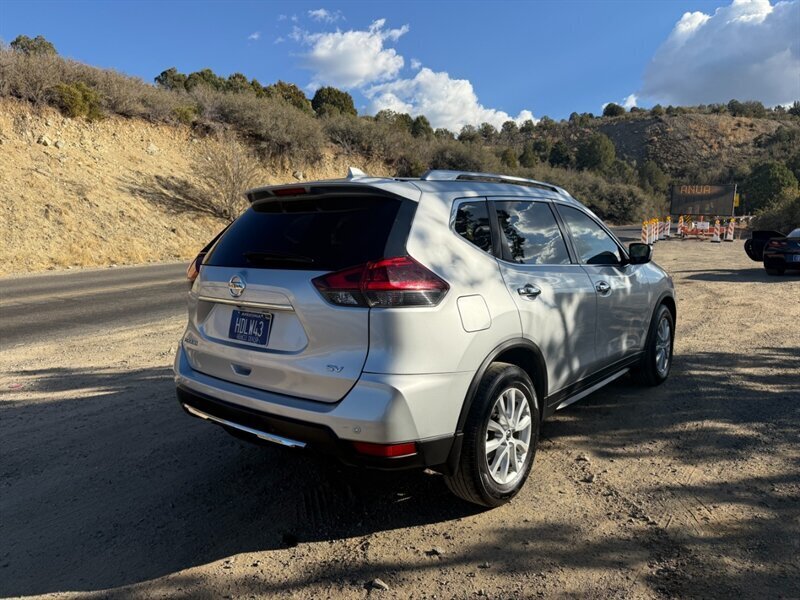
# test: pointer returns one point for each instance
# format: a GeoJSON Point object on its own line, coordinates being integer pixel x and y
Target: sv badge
{"type": "Point", "coordinates": [334, 368]}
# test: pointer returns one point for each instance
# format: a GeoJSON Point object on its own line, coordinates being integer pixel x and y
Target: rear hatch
{"type": "Point", "coordinates": [256, 318]}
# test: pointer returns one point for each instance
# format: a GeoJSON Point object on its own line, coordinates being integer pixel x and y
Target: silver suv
{"type": "Point", "coordinates": [431, 322]}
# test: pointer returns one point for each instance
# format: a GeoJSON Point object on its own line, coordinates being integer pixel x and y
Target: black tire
{"type": "Point", "coordinates": [748, 248]}
{"type": "Point", "coordinates": [472, 480]}
{"type": "Point", "coordinates": [774, 270]}
{"type": "Point", "coordinates": [648, 372]}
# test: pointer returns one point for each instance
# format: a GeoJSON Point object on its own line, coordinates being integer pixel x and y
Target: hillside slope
{"type": "Point", "coordinates": [693, 143]}
{"type": "Point", "coordinates": [118, 191]}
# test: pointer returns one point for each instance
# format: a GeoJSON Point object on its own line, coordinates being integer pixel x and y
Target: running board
{"type": "Point", "coordinates": [591, 389]}
{"type": "Point", "coordinates": [269, 437]}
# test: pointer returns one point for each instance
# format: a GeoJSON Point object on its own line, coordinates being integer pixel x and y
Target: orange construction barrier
{"type": "Point", "coordinates": [715, 238]}
{"type": "Point", "coordinates": [729, 231]}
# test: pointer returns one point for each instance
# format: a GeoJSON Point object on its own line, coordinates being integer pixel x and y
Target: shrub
{"type": "Point", "coordinates": [37, 46]}
{"type": "Point", "coordinates": [79, 100]}
{"type": "Point", "coordinates": [288, 92]}
{"type": "Point", "coordinates": [457, 157]}
{"type": "Point", "coordinates": [528, 158]}
{"type": "Point", "coordinates": [652, 178]}
{"type": "Point", "coordinates": [171, 79]}
{"type": "Point", "coordinates": [613, 110]}
{"type": "Point", "coordinates": [783, 215]}
{"type": "Point", "coordinates": [508, 158]}
{"type": "Point", "coordinates": [225, 171]}
{"type": "Point", "coordinates": [421, 127]}
{"type": "Point", "coordinates": [559, 155]}
{"type": "Point", "coordinates": [596, 153]}
{"type": "Point", "coordinates": [349, 133]}
{"type": "Point", "coordinates": [280, 131]}
{"type": "Point", "coordinates": [657, 110]}
{"type": "Point", "coordinates": [468, 133]}
{"type": "Point", "coordinates": [767, 183]}
{"type": "Point", "coordinates": [186, 113]}
{"type": "Point", "coordinates": [329, 100]}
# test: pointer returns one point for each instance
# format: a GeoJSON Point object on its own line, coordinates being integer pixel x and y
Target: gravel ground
{"type": "Point", "coordinates": [687, 490]}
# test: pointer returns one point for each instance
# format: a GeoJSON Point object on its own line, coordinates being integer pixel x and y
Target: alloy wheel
{"type": "Point", "coordinates": [508, 436]}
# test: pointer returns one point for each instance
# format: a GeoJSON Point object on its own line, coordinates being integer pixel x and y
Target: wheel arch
{"type": "Point", "coordinates": [520, 352]}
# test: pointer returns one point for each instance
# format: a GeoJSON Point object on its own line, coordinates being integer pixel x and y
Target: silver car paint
{"type": "Point", "coordinates": [405, 372]}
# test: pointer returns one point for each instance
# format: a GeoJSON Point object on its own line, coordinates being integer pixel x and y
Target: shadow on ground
{"type": "Point", "coordinates": [131, 489]}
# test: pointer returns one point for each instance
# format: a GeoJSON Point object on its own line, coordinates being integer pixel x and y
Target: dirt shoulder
{"type": "Point", "coordinates": [688, 490]}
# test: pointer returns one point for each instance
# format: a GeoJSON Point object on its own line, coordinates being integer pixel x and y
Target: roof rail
{"type": "Point", "coordinates": [436, 175]}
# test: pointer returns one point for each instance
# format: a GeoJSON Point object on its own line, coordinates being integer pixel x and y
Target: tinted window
{"type": "Point", "coordinates": [311, 234]}
{"type": "Point", "coordinates": [472, 223]}
{"type": "Point", "coordinates": [530, 234]}
{"type": "Point", "coordinates": [594, 245]}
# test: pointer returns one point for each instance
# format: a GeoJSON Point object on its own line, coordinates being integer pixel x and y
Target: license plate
{"type": "Point", "coordinates": [250, 327]}
{"type": "Point", "coordinates": [794, 258]}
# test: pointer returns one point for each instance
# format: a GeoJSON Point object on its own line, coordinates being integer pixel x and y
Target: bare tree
{"type": "Point", "coordinates": [225, 169]}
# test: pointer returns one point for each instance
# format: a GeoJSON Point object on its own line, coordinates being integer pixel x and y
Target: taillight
{"type": "Point", "coordinates": [776, 244]}
{"type": "Point", "coordinates": [194, 267]}
{"type": "Point", "coordinates": [389, 282]}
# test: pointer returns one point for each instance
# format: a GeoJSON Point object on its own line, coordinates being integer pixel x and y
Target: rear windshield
{"type": "Point", "coordinates": [314, 233]}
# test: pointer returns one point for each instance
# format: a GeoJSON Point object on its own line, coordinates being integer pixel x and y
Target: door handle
{"type": "Point", "coordinates": [602, 287]}
{"type": "Point", "coordinates": [529, 291]}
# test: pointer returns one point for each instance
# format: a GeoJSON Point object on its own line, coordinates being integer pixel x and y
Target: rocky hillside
{"type": "Point", "coordinates": [693, 144]}
{"type": "Point", "coordinates": [118, 191]}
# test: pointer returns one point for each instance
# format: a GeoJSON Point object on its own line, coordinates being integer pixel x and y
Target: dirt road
{"type": "Point", "coordinates": [688, 490]}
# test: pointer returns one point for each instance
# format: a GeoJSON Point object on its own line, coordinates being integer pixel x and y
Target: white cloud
{"type": "Point", "coordinates": [630, 101]}
{"type": "Point", "coordinates": [324, 15]}
{"type": "Point", "coordinates": [415, 64]}
{"type": "Point", "coordinates": [352, 58]}
{"type": "Point", "coordinates": [748, 50]}
{"type": "Point", "coordinates": [255, 36]}
{"type": "Point", "coordinates": [282, 17]}
{"type": "Point", "coordinates": [447, 102]}
{"type": "Point", "coordinates": [279, 40]}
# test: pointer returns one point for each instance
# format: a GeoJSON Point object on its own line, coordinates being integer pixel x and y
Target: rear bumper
{"type": "Point", "coordinates": [287, 432]}
{"type": "Point", "coordinates": [782, 259]}
{"type": "Point", "coordinates": [385, 409]}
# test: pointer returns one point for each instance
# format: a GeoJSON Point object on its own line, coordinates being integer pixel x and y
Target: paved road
{"type": "Point", "coordinates": [38, 307]}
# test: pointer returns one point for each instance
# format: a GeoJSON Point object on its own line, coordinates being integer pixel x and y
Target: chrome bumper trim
{"type": "Point", "coordinates": [269, 437]}
{"type": "Point", "coordinates": [246, 304]}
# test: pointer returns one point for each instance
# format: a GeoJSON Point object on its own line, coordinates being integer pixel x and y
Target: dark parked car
{"type": "Point", "coordinates": [755, 245]}
{"type": "Point", "coordinates": [782, 253]}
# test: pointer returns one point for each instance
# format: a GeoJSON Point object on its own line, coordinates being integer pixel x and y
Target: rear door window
{"type": "Point", "coordinates": [530, 234]}
{"type": "Point", "coordinates": [313, 233]}
{"type": "Point", "coordinates": [472, 223]}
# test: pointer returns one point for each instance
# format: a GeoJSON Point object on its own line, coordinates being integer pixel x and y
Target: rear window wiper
{"type": "Point", "coordinates": [276, 257]}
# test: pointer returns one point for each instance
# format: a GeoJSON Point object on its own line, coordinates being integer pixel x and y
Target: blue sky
{"type": "Point", "coordinates": [549, 58]}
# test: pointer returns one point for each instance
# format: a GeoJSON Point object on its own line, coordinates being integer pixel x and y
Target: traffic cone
{"type": "Point", "coordinates": [668, 226]}
{"type": "Point", "coordinates": [729, 231]}
{"type": "Point", "coordinates": [715, 237]}
{"type": "Point", "coordinates": [680, 226]}
{"type": "Point", "coordinates": [645, 239]}
{"type": "Point", "coordinates": [662, 229]}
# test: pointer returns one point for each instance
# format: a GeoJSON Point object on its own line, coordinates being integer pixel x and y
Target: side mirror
{"type": "Point", "coordinates": [640, 253]}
